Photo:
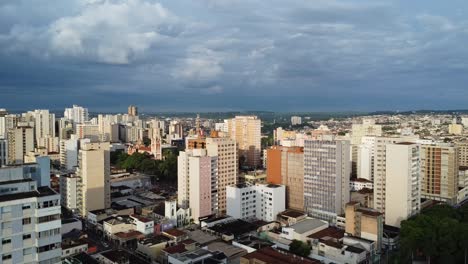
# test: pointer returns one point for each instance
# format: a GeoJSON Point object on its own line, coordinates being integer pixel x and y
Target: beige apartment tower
{"type": "Point", "coordinates": [439, 172]}
{"type": "Point", "coordinates": [132, 110]}
{"type": "Point", "coordinates": [246, 131]}
{"type": "Point", "coordinates": [94, 173]}
{"type": "Point", "coordinates": [20, 142]}
{"type": "Point", "coordinates": [226, 151]}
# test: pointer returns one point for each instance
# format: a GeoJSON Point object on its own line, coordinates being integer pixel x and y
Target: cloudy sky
{"type": "Point", "coordinates": [220, 55]}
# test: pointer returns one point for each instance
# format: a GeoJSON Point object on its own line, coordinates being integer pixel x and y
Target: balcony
{"type": "Point", "coordinates": [49, 254]}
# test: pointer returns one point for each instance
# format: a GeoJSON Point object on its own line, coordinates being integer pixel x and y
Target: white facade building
{"type": "Point", "coordinates": [29, 217]}
{"type": "Point", "coordinates": [68, 190]}
{"type": "Point", "coordinates": [403, 190]}
{"type": "Point", "coordinates": [77, 113]}
{"type": "Point", "coordinates": [260, 201]}
{"type": "Point", "coordinates": [296, 120]}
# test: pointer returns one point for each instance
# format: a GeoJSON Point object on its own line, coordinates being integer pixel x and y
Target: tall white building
{"type": "Point", "coordinates": [29, 217]}
{"type": "Point", "coordinates": [326, 178]}
{"type": "Point", "coordinates": [261, 201]}
{"type": "Point", "coordinates": [367, 128]}
{"type": "Point", "coordinates": [77, 114]}
{"type": "Point", "coordinates": [296, 120]}
{"type": "Point", "coordinates": [365, 161]}
{"type": "Point", "coordinates": [380, 168]}
{"type": "Point", "coordinates": [88, 131]}
{"type": "Point", "coordinates": [44, 124]}
{"type": "Point", "coordinates": [403, 190]}
{"type": "Point", "coordinates": [69, 185]}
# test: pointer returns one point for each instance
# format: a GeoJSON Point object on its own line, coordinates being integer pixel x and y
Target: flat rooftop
{"type": "Point", "coordinates": [307, 225]}
{"type": "Point", "coordinates": [41, 192]}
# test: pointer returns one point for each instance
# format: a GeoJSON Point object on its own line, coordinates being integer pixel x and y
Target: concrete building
{"type": "Point", "coordinates": [364, 223]}
{"type": "Point", "coordinates": [365, 161]}
{"type": "Point", "coordinates": [69, 153]}
{"type": "Point", "coordinates": [380, 168]}
{"type": "Point", "coordinates": [29, 217]}
{"type": "Point", "coordinates": [403, 178]}
{"type": "Point", "coordinates": [455, 129]}
{"type": "Point", "coordinates": [326, 177]}
{"type": "Point", "coordinates": [3, 152]}
{"type": "Point", "coordinates": [439, 173]}
{"type": "Point", "coordinates": [69, 185]}
{"type": "Point", "coordinates": [77, 114]}
{"type": "Point", "coordinates": [260, 201]}
{"type": "Point", "coordinates": [88, 131]}
{"type": "Point", "coordinates": [94, 174]}
{"type": "Point", "coordinates": [285, 165]}
{"type": "Point", "coordinates": [198, 182]}
{"type": "Point", "coordinates": [51, 144]}
{"type": "Point", "coordinates": [246, 131]}
{"type": "Point", "coordinates": [296, 120]}
{"type": "Point", "coordinates": [132, 110]}
{"type": "Point", "coordinates": [462, 148]}
{"type": "Point", "coordinates": [44, 124]}
{"type": "Point", "coordinates": [20, 142]}
{"type": "Point", "coordinates": [226, 151]}
{"type": "Point", "coordinates": [358, 131]}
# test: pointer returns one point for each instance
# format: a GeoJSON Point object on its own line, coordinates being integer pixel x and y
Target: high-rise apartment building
{"type": "Point", "coordinates": [77, 114]}
{"type": "Point", "coordinates": [462, 148]}
{"type": "Point", "coordinates": [88, 131]}
{"type": "Point", "coordinates": [365, 161]}
{"type": "Point", "coordinates": [132, 110]}
{"type": "Point", "coordinates": [326, 177]}
{"type": "Point", "coordinates": [69, 186]}
{"type": "Point", "coordinates": [226, 151]}
{"type": "Point", "coordinates": [29, 217]}
{"type": "Point", "coordinates": [358, 131]}
{"type": "Point", "coordinates": [285, 165]}
{"type": "Point", "coordinates": [439, 173]}
{"type": "Point", "coordinates": [20, 142]}
{"type": "Point", "coordinates": [380, 168]}
{"type": "Point", "coordinates": [296, 120]}
{"type": "Point", "coordinates": [198, 182]}
{"type": "Point", "coordinates": [94, 173]}
{"type": "Point", "coordinates": [246, 131]}
{"type": "Point", "coordinates": [403, 191]}
{"type": "Point", "coordinates": [44, 124]}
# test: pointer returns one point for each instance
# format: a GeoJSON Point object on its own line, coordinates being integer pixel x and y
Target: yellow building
{"type": "Point", "coordinates": [364, 223]}
{"type": "Point", "coordinates": [94, 172]}
{"type": "Point", "coordinates": [245, 130]}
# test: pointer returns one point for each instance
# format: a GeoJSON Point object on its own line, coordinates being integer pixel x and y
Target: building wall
{"type": "Point", "coordinates": [274, 165]}
{"type": "Point", "coordinates": [439, 173]}
{"type": "Point", "coordinates": [245, 130]}
{"type": "Point", "coordinates": [94, 171]}
{"type": "Point", "coordinates": [20, 142]}
{"type": "Point", "coordinates": [403, 178]}
{"type": "Point", "coordinates": [226, 151]}
{"type": "Point", "coordinates": [326, 177]}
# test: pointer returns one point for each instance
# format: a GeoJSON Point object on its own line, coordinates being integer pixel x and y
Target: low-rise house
{"type": "Point", "coordinates": [302, 229]}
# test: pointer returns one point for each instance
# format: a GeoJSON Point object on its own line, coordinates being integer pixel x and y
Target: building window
{"type": "Point", "coordinates": [6, 241]}
{"type": "Point", "coordinates": [6, 257]}
{"type": "Point", "coordinates": [27, 221]}
{"type": "Point", "coordinates": [26, 236]}
{"type": "Point", "coordinates": [26, 206]}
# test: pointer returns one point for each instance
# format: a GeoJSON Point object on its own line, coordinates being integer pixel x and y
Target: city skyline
{"type": "Point", "coordinates": [233, 55]}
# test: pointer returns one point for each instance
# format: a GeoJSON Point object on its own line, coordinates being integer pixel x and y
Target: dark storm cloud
{"type": "Point", "coordinates": [233, 54]}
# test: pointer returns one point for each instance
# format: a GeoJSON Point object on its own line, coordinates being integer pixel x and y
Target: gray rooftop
{"type": "Point", "coordinates": [308, 224]}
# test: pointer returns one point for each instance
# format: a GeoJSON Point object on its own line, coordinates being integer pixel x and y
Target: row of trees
{"type": "Point", "coordinates": [438, 234]}
{"type": "Point", "coordinates": [164, 170]}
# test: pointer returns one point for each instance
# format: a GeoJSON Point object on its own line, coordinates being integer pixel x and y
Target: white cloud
{"type": "Point", "coordinates": [201, 64]}
{"type": "Point", "coordinates": [110, 31]}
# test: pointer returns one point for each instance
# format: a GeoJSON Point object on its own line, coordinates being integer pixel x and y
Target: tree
{"type": "Point", "coordinates": [299, 248]}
